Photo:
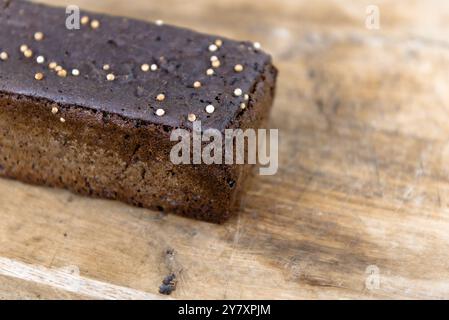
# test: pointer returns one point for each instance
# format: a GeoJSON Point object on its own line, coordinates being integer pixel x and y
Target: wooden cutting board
{"type": "Point", "coordinates": [358, 209]}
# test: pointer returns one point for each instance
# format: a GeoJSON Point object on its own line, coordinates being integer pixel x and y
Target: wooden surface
{"type": "Point", "coordinates": [362, 184]}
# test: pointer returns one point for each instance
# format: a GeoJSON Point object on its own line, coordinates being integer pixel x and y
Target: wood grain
{"type": "Point", "coordinates": [363, 179]}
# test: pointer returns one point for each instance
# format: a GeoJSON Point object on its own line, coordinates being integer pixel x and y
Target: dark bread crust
{"type": "Point", "coordinates": [182, 57]}
{"type": "Point", "coordinates": [110, 154]}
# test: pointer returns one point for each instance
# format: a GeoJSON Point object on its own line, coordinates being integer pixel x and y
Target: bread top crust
{"type": "Point", "coordinates": [128, 89]}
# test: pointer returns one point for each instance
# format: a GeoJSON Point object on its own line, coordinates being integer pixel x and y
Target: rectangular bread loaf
{"type": "Point", "coordinates": [91, 109]}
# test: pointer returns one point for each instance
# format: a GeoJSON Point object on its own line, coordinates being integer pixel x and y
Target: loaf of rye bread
{"type": "Point", "coordinates": [78, 107]}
